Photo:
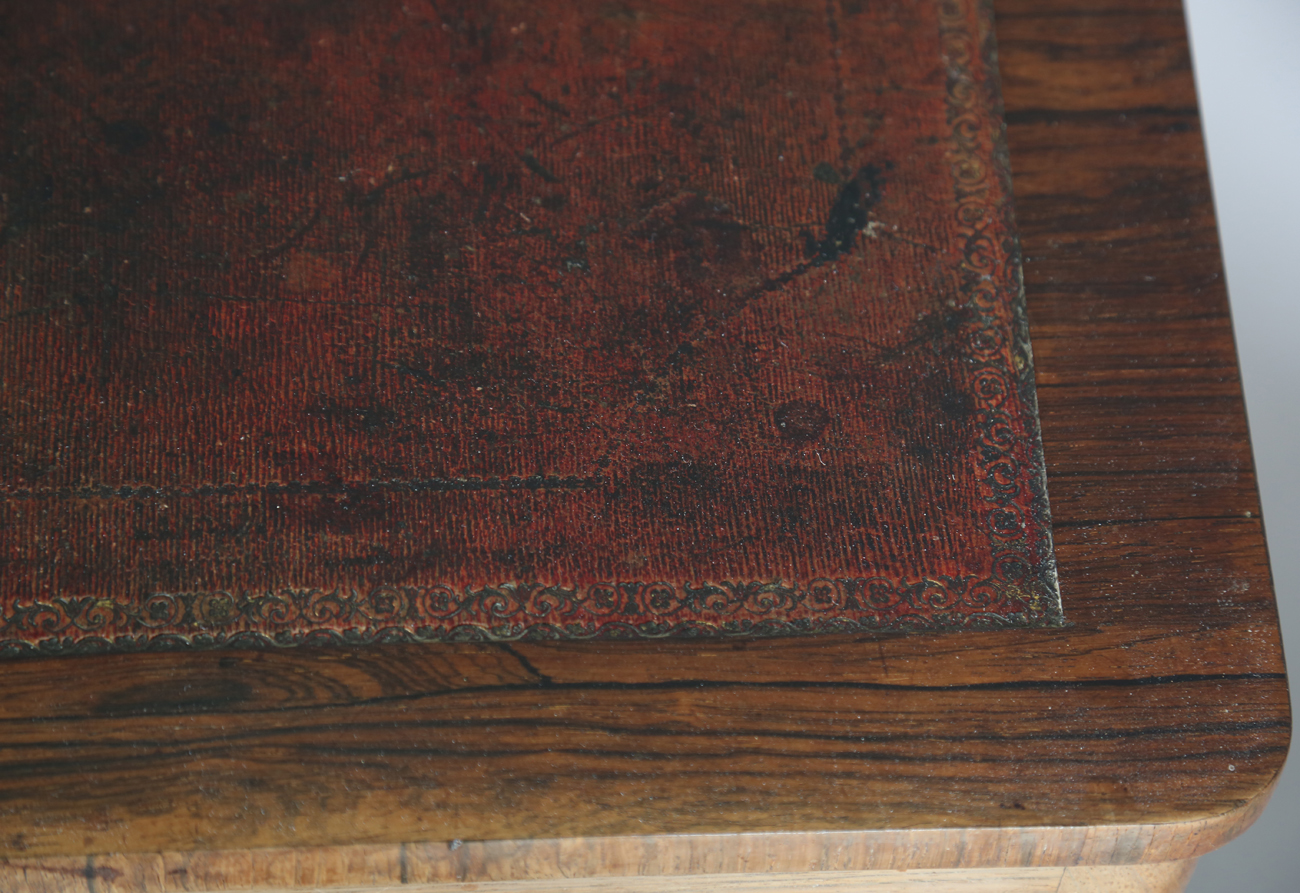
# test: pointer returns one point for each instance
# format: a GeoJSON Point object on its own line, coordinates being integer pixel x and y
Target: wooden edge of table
{"type": "Point", "coordinates": [1116, 857]}
{"type": "Point", "coordinates": [1156, 877]}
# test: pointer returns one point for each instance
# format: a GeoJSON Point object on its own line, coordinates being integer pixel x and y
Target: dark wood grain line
{"type": "Point", "coordinates": [545, 684]}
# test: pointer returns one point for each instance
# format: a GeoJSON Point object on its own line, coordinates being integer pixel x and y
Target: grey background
{"type": "Point", "coordinates": [1247, 57]}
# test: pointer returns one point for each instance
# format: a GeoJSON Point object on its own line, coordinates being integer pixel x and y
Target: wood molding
{"type": "Point", "coordinates": [338, 875]}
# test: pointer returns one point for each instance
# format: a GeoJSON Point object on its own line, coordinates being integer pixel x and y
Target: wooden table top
{"type": "Point", "coordinates": [1151, 729]}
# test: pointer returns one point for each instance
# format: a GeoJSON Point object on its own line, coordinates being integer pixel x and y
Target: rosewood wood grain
{"type": "Point", "coordinates": [1150, 730]}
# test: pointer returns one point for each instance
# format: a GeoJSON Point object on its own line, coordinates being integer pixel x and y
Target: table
{"type": "Point", "coordinates": [1110, 753]}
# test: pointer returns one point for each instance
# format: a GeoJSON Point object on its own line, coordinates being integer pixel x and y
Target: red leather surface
{"type": "Point", "coordinates": [390, 319]}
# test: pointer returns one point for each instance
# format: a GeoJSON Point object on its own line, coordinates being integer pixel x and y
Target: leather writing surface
{"type": "Point", "coordinates": [384, 320]}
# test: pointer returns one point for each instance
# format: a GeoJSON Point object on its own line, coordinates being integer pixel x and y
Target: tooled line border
{"type": "Point", "coordinates": [1022, 591]}
{"type": "Point", "coordinates": [1011, 447]}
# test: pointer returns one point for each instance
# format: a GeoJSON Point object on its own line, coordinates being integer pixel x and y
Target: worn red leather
{"type": "Point", "coordinates": [402, 320]}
